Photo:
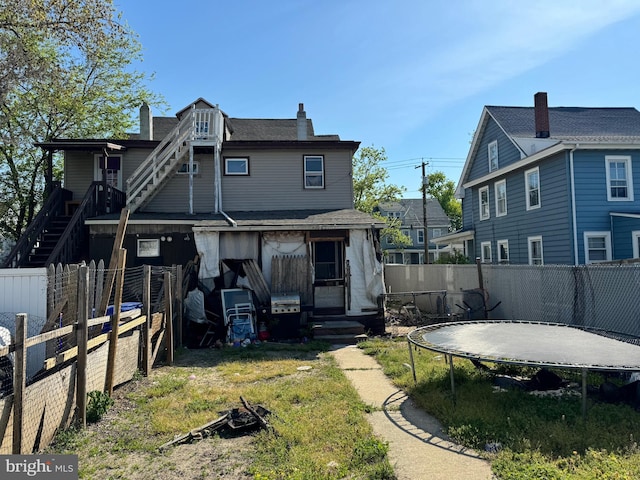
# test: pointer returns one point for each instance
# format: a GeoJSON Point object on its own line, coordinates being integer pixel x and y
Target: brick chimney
{"type": "Point", "coordinates": [146, 122]}
{"type": "Point", "coordinates": [541, 110]}
{"type": "Point", "coordinates": [302, 122]}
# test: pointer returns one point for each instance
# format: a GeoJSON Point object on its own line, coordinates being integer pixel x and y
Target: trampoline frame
{"type": "Point", "coordinates": [412, 339]}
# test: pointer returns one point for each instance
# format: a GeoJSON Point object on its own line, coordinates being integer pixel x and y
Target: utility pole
{"type": "Point", "coordinates": [424, 213]}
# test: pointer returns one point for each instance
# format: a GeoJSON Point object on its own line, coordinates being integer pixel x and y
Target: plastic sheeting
{"type": "Point", "coordinates": [367, 279]}
{"type": "Point", "coordinates": [208, 246]}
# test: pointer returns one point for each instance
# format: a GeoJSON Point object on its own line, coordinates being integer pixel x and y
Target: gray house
{"type": "Point", "coordinates": [410, 213]}
{"type": "Point", "coordinates": [233, 191]}
{"type": "Point", "coordinates": [552, 185]}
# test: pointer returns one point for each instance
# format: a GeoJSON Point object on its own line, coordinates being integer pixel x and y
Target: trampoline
{"type": "Point", "coordinates": [530, 344]}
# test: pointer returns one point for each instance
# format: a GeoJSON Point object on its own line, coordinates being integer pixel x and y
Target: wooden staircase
{"type": "Point", "coordinates": [43, 249]}
{"type": "Point", "coordinates": [197, 127]}
{"type": "Point", "coordinates": [338, 331]}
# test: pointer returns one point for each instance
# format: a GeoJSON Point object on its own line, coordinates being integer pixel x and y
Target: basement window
{"type": "Point", "coordinates": [148, 247]}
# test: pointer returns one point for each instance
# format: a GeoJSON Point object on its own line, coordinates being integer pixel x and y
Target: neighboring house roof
{"type": "Point", "coordinates": [572, 123]}
{"type": "Point", "coordinates": [255, 220]}
{"type": "Point", "coordinates": [412, 212]}
{"type": "Point", "coordinates": [591, 127]}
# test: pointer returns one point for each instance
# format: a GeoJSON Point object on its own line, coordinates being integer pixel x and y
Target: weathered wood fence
{"type": "Point", "coordinates": [86, 348]}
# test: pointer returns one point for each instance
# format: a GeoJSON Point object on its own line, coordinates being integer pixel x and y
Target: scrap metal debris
{"type": "Point", "coordinates": [235, 420]}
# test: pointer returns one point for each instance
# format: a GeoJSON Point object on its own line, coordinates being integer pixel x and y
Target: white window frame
{"type": "Point", "coordinates": [492, 154]}
{"type": "Point", "coordinates": [97, 171]}
{"type": "Point", "coordinates": [228, 160]}
{"type": "Point", "coordinates": [485, 258]}
{"type": "Point", "coordinates": [501, 202]}
{"type": "Point", "coordinates": [530, 242]}
{"type": "Point", "coordinates": [528, 190]}
{"type": "Point", "coordinates": [436, 232]}
{"type": "Point", "coordinates": [607, 246]}
{"type": "Point", "coordinates": [184, 168]}
{"type": "Point", "coordinates": [148, 247]}
{"type": "Point", "coordinates": [485, 212]}
{"type": "Point", "coordinates": [635, 239]}
{"type": "Point", "coordinates": [406, 232]}
{"type": "Point", "coordinates": [420, 236]}
{"type": "Point", "coordinates": [309, 174]}
{"type": "Point", "coordinates": [626, 160]}
{"type": "Point", "coordinates": [505, 244]}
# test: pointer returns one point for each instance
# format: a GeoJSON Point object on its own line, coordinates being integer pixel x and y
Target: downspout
{"type": "Point", "coordinates": [193, 131]}
{"type": "Point", "coordinates": [573, 206]}
{"type": "Point", "coordinates": [218, 125]}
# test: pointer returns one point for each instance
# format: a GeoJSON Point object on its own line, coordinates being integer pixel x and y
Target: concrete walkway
{"type": "Point", "coordinates": [418, 448]}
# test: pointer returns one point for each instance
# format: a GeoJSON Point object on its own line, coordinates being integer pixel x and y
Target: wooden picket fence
{"type": "Point", "coordinates": [86, 350]}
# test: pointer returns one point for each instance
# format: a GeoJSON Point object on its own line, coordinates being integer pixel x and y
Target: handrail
{"type": "Point", "coordinates": [53, 207]}
{"type": "Point", "coordinates": [97, 201]}
{"type": "Point", "coordinates": [197, 124]}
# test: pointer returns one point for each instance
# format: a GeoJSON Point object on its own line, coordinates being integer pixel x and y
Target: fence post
{"type": "Point", "coordinates": [168, 315]}
{"type": "Point", "coordinates": [115, 323]}
{"type": "Point", "coordinates": [179, 307]}
{"type": "Point", "coordinates": [146, 331]}
{"type": "Point", "coordinates": [19, 381]}
{"type": "Point", "coordinates": [82, 339]}
{"type": "Point", "coordinates": [480, 279]}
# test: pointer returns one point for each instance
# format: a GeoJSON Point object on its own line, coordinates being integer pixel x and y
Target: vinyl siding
{"type": "Point", "coordinates": [174, 195]}
{"type": "Point", "coordinates": [78, 172]}
{"type": "Point", "coordinates": [551, 220]}
{"type": "Point", "coordinates": [276, 182]}
{"type": "Point", "coordinates": [591, 193]}
{"type": "Point", "coordinates": [622, 236]}
{"type": "Point", "coordinates": [507, 151]}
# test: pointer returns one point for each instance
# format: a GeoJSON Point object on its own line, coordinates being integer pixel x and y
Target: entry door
{"type": "Point", "coordinates": [113, 170]}
{"type": "Point", "coordinates": [329, 280]}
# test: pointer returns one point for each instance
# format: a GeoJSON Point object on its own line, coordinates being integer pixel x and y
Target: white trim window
{"type": "Point", "coordinates": [485, 252]}
{"type": "Point", "coordinates": [492, 153]}
{"type": "Point", "coordinates": [313, 171]}
{"type": "Point", "coordinates": [236, 166]}
{"type": "Point", "coordinates": [532, 187]}
{"type": "Point", "coordinates": [503, 251]}
{"type": "Point", "coordinates": [535, 250]}
{"type": "Point", "coordinates": [483, 200]}
{"type": "Point", "coordinates": [148, 247]}
{"type": "Point", "coordinates": [597, 247]}
{"type": "Point", "coordinates": [501, 198]}
{"type": "Point", "coordinates": [112, 170]}
{"type": "Point", "coordinates": [635, 239]}
{"type": "Point", "coordinates": [184, 169]}
{"type": "Point", "coordinates": [619, 178]}
{"type": "Point", "coordinates": [420, 236]}
{"type": "Point", "coordinates": [436, 232]}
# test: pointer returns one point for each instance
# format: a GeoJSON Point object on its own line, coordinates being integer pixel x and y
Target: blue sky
{"type": "Point", "coordinates": [410, 76]}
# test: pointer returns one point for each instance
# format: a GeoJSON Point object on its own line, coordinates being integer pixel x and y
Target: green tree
{"type": "Point", "coordinates": [370, 189]}
{"type": "Point", "coordinates": [443, 190]}
{"type": "Point", "coordinates": [66, 71]}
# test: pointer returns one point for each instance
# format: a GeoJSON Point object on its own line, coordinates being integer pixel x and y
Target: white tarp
{"type": "Point", "coordinates": [278, 244]}
{"type": "Point", "coordinates": [367, 280]}
{"type": "Point", "coordinates": [239, 245]}
{"type": "Point", "coordinates": [208, 246]}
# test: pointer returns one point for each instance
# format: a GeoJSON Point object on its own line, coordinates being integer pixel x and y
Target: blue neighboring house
{"type": "Point", "coordinates": [552, 185]}
{"type": "Point", "coordinates": [411, 215]}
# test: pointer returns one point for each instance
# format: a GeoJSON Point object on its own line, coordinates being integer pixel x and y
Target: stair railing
{"type": "Point", "coordinates": [150, 171]}
{"type": "Point", "coordinates": [53, 207]}
{"type": "Point", "coordinates": [99, 200]}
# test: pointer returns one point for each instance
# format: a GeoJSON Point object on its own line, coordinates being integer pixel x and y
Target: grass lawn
{"type": "Point", "coordinates": [538, 437]}
{"type": "Point", "coordinates": [320, 430]}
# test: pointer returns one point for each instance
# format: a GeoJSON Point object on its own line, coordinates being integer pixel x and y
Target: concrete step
{"type": "Point", "coordinates": [338, 331]}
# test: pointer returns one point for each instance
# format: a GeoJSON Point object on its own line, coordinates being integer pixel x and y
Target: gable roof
{"type": "Point", "coordinates": [572, 123]}
{"type": "Point", "coordinates": [590, 126]}
{"type": "Point", "coordinates": [413, 215]}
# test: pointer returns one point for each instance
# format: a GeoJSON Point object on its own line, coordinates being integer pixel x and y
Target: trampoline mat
{"type": "Point", "coordinates": [528, 343]}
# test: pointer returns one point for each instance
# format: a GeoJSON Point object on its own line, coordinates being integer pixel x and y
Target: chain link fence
{"type": "Point", "coordinates": [602, 297]}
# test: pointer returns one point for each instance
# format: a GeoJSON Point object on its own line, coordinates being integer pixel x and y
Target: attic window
{"type": "Point", "coordinates": [492, 151]}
